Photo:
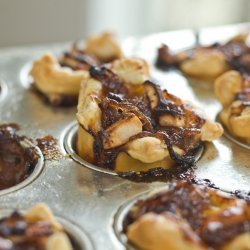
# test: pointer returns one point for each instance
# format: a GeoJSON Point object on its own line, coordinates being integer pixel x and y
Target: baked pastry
{"type": "Point", "coordinates": [59, 79]}
{"type": "Point", "coordinates": [35, 229]}
{"type": "Point", "coordinates": [127, 123]}
{"type": "Point", "coordinates": [233, 92]}
{"type": "Point", "coordinates": [207, 63]}
{"type": "Point", "coordinates": [189, 217]}
{"type": "Point", "coordinates": [17, 161]}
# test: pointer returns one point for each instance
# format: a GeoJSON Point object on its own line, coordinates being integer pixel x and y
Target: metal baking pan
{"type": "Point", "coordinates": [83, 195]}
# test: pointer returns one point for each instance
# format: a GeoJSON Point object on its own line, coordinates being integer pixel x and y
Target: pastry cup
{"type": "Point", "coordinates": [157, 221]}
{"type": "Point", "coordinates": [59, 79]}
{"type": "Point", "coordinates": [232, 91]}
{"type": "Point", "coordinates": [126, 140]}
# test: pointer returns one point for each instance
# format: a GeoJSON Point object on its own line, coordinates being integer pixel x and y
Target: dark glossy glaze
{"type": "Point", "coordinates": [119, 102]}
{"type": "Point", "coordinates": [237, 55]}
{"type": "Point", "coordinates": [16, 162]}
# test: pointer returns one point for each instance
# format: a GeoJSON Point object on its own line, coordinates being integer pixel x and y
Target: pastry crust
{"type": "Point", "coordinates": [52, 79]}
{"type": "Point", "coordinates": [206, 64]}
{"type": "Point", "coordinates": [227, 86]}
{"type": "Point", "coordinates": [233, 92]}
{"type": "Point", "coordinates": [41, 229]}
{"type": "Point", "coordinates": [89, 113]}
{"type": "Point", "coordinates": [131, 70]}
{"type": "Point", "coordinates": [59, 79]}
{"type": "Point", "coordinates": [161, 232]}
{"type": "Point", "coordinates": [121, 116]}
{"type": "Point", "coordinates": [188, 216]}
{"type": "Point", "coordinates": [104, 47]}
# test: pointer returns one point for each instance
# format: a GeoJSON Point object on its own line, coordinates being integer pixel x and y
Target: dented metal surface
{"type": "Point", "coordinates": [87, 197]}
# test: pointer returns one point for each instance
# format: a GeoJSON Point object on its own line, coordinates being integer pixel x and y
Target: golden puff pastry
{"type": "Point", "coordinates": [104, 47]}
{"type": "Point", "coordinates": [53, 80]}
{"type": "Point", "coordinates": [208, 62]}
{"type": "Point", "coordinates": [188, 216]}
{"type": "Point", "coordinates": [134, 71]}
{"type": "Point", "coordinates": [40, 230]}
{"type": "Point", "coordinates": [58, 79]}
{"type": "Point", "coordinates": [205, 64]}
{"type": "Point", "coordinates": [233, 92]}
{"type": "Point", "coordinates": [130, 124]}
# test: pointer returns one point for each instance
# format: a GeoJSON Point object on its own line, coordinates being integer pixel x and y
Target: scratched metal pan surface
{"type": "Point", "coordinates": [82, 195]}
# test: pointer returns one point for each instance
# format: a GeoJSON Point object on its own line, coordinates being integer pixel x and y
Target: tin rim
{"type": "Point", "coordinates": [123, 210]}
{"type": "Point", "coordinates": [231, 137]}
{"type": "Point", "coordinates": [79, 236]}
{"type": "Point", "coordinates": [36, 172]}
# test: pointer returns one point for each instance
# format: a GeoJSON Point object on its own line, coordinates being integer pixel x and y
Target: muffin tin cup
{"type": "Point", "coordinates": [36, 172]}
{"type": "Point", "coordinates": [76, 234]}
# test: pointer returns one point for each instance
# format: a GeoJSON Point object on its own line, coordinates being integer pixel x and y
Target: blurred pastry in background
{"type": "Point", "coordinates": [36, 228]}
{"type": "Point", "coordinates": [208, 62]}
{"type": "Point", "coordinates": [232, 89]}
{"type": "Point", "coordinates": [58, 79]}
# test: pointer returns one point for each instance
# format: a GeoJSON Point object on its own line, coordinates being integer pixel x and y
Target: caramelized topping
{"type": "Point", "coordinates": [236, 53]}
{"type": "Point", "coordinates": [78, 60]}
{"type": "Point", "coordinates": [16, 161]}
{"type": "Point", "coordinates": [17, 234]}
{"type": "Point", "coordinates": [161, 115]}
{"type": "Point", "coordinates": [215, 218]}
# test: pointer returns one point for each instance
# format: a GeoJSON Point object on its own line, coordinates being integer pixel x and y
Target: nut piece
{"type": "Point", "coordinates": [170, 120]}
{"type": "Point", "coordinates": [50, 78]}
{"type": "Point", "coordinates": [120, 132]}
{"type": "Point", "coordinates": [131, 70]}
{"type": "Point", "coordinates": [147, 149]}
{"type": "Point", "coordinates": [104, 47]}
{"type": "Point", "coordinates": [226, 86]}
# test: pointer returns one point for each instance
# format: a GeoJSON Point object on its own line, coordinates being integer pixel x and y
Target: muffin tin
{"type": "Point", "coordinates": [81, 192]}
